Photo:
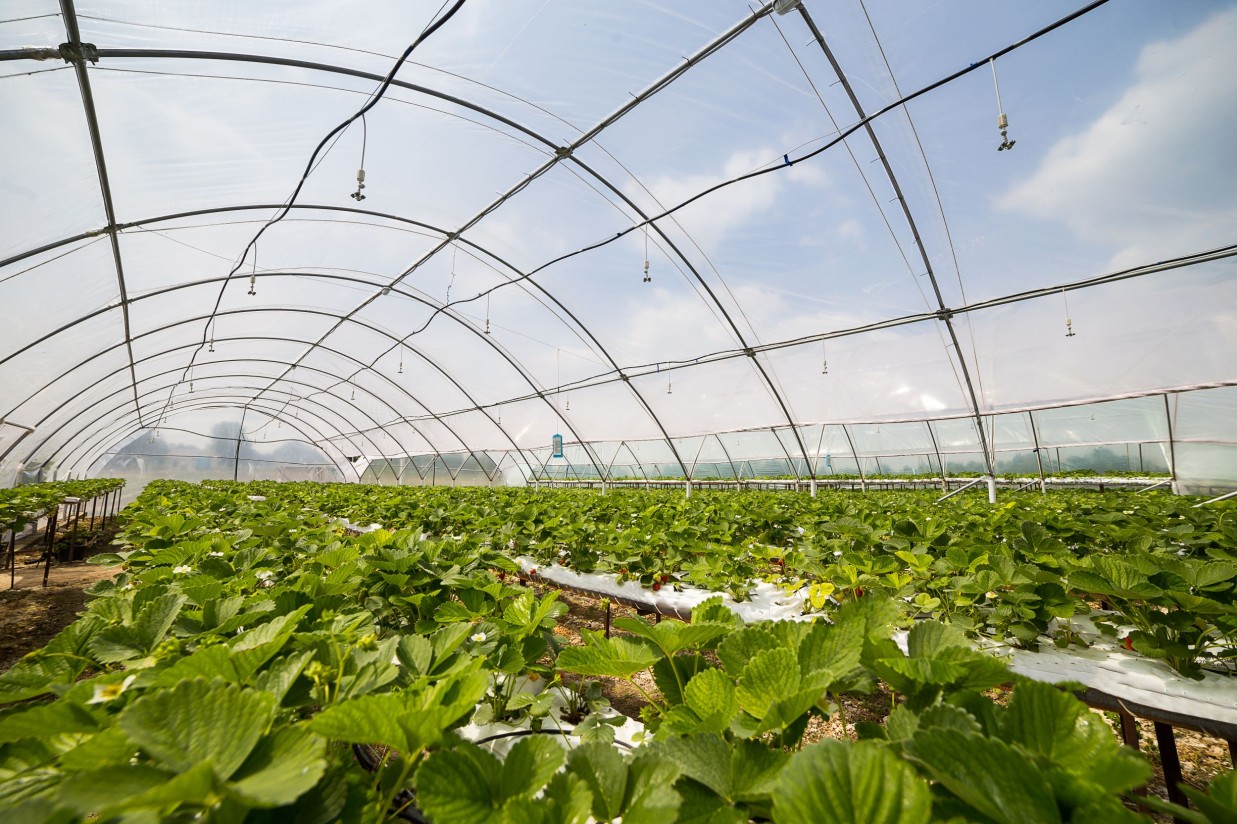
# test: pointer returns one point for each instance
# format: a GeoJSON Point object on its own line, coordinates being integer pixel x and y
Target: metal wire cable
{"type": "Point", "coordinates": [854, 127]}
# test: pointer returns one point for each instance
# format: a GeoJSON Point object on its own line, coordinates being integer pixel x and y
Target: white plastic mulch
{"type": "Point", "coordinates": [1101, 665]}
{"type": "Point", "coordinates": [767, 602]}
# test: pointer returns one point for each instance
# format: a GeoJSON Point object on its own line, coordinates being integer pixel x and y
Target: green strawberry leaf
{"type": "Point", "coordinates": [861, 783]}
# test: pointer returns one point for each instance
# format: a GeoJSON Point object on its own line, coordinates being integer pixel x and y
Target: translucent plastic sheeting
{"type": "Point", "coordinates": [46, 292]}
{"type": "Point", "coordinates": [31, 213]}
{"type": "Point", "coordinates": [1123, 338]}
{"type": "Point", "coordinates": [897, 373]}
{"type": "Point", "coordinates": [879, 284]}
{"type": "Point", "coordinates": [1206, 452]}
{"type": "Point", "coordinates": [27, 22]}
{"type": "Point", "coordinates": [1135, 419]}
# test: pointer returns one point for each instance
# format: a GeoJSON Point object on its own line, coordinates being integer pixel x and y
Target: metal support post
{"type": "Point", "coordinates": [50, 542]}
{"type": "Point", "coordinates": [1171, 764]}
{"type": "Point", "coordinates": [12, 558]}
{"type": "Point", "coordinates": [1172, 452]}
{"type": "Point", "coordinates": [77, 516]}
{"type": "Point", "coordinates": [1039, 460]}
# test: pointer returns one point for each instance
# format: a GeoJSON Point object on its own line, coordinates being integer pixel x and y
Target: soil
{"type": "Point", "coordinates": [31, 614]}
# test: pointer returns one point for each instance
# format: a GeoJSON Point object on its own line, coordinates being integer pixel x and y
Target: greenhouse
{"type": "Point", "coordinates": [409, 357]}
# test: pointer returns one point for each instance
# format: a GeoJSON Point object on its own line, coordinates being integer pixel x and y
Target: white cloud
{"type": "Point", "coordinates": [1152, 176]}
{"type": "Point", "coordinates": [710, 219]}
{"type": "Point", "coordinates": [851, 230]}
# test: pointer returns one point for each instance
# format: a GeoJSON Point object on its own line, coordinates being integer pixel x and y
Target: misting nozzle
{"type": "Point", "coordinates": [1002, 123]}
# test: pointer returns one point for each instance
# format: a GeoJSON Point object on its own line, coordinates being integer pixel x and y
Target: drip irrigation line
{"type": "Point", "coordinates": [329, 138]}
{"type": "Point", "coordinates": [544, 731]}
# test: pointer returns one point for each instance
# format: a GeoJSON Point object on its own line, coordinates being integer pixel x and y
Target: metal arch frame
{"type": "Point", "coordinates": [507, 356]}
{"type": "Point", "coordinates": [483, 250]}
{"type": "Point", "coordinates": [105, 441]}
{"type": "Point", "coordinates": [225, 360]}
{"type": "Point", "coordinates": [598, 129]}
{"type": "Point", "coordinates": [559, 153]}
{"type": "Point", "coordinates": [361, 323]}
{"type": "Point", "coordinates": [242, 338]}
{"type": "Point", "coordinates": [173, 386]}
{"type": "Point", "coordinates": [223, 402]}
{"type": "Point", "coordinates": [98, 439]}
{"type": "Point", "coordinates": [69, 13]}
{"type": "Point", "coordinates": [943, 312]}
{"type": "Point", "coordinates": [268, 411]}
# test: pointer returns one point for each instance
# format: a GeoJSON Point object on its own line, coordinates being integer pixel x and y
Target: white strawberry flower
{"type": "Point", "coordinates": [265, 575]}
{"type": "Point", "coordinates": [108, 692]}
{"type": "Point", "coordinates": [183, 569]}
{"type": "Point", "coordinates": [215, 554]}
{"type": "Point", "coordinates": [479, 638]}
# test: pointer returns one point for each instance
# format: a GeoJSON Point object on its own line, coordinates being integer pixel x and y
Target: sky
{"type": "Point", "coordinates": [1123, 120]}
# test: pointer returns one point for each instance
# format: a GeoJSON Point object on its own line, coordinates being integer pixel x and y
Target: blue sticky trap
{"type": "Point", "coordinates": [556, 446]}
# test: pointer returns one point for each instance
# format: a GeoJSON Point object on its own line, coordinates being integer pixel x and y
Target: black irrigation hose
{"type": "Point", "coordinates": [788, 161]}
{"type": "Point", "coordinates": [552, 731]}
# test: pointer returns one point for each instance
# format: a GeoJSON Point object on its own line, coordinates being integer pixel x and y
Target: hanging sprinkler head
{"type": "Point", "coordinates": [647, 278]}
{"type": "Point", "coordinates": [1002, 122]}
{"type": "Point", "coordinates": [359, 194]}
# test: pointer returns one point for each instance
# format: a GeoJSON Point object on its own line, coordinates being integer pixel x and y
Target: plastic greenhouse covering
{"type": "Point", "coordinates": [700, 240]}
